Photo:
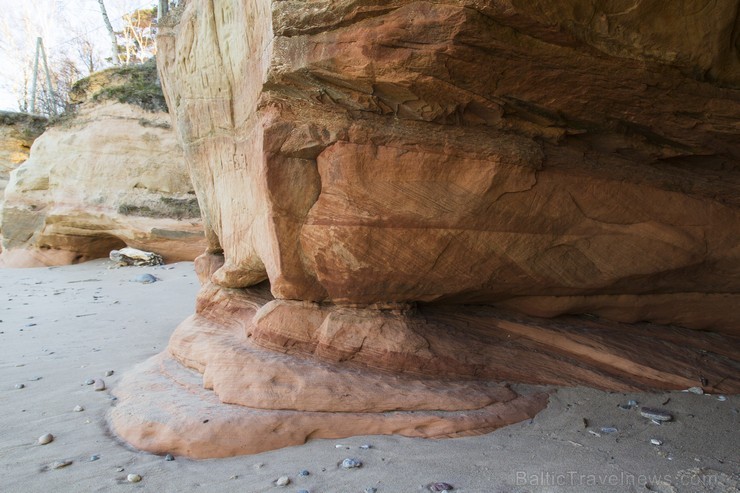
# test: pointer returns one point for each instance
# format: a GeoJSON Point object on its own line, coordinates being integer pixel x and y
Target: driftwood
{"type": "Point", "coordinates": [132, 256]}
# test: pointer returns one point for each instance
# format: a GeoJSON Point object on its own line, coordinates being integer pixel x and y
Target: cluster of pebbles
{"type": "Point", "coordinates": [98, 384]}
{"type": "Point", "coordinates": [350, 463]}
{"type": "Point", "coordinates": [656, 415]}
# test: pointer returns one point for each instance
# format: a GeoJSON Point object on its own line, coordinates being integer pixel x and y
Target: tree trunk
{"type": "Point", "coordinates": [162, 9]}
{"type": "Point", "coordinates": [111, 33]}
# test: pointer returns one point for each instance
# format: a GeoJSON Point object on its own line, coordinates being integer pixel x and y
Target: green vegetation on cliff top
{"type": "Point", "coordinates": [133, 84]}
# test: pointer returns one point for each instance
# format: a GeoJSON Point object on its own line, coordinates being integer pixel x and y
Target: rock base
{"type": "Point", "coordinates": [248, 374]}
{"type": "Point", "coordinates": [165, 409]}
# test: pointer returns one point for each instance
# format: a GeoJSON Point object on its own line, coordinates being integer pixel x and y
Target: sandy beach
{"type": "Point", "coordinates": [61, 327]}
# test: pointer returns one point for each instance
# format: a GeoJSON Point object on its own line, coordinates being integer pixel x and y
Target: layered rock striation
{"type": "Point", "coordinates": [111, 176]}
{"type": "Point", "coordinates": [418, 181]}
{"type": "Point", "coordinates": [17, 133]}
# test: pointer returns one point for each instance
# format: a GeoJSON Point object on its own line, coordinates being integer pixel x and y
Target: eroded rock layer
{"type": "Point", "coordinates": [17, 133]}
{"type": "Point", "coordinates": [112, 176]}
{"type": "Point", "coordinates": [396, 169]}
{"type": "Point", "coordinates": [268, 373]}
{"type": "Point", "coordinates": [553, 160]}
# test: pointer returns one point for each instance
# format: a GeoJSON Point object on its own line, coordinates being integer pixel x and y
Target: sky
{"type": "Point", "coordinates": [60, 23]}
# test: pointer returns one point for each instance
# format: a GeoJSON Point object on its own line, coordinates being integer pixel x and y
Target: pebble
{"type": "Point", "coordinates": [109, 373]}
{"type": "Point", "coordinates": [282, 481]}
{"type": "Point", "coordinates": [99, 384]}
{"type": "Point", "coordinates": [133, 478]}
{"type": "Point", "coordinates": [695, 390]}
{"type": "Point", "coordinates": [351, 463]}
{"type": "Point", "coordinates": [366, 446]}
{"type": "Point", "coordinates": [61, 463]}
{"type": "Point", "coordinates": [145, 279]}
{"type": "Point", "coordinates": [632, 403]}
{"type": "Point", "coordinates": [169, 457]}
{"type": "Point", "coordinates": [89, 381]}
{"type": "Point", "coordinates": [721, 398]}
{"type": "Point", "coordinates": [119, 469]}
{"type": "Point", "coordinates": [44, 439]}
{"type": "Point", "coordinates": [304, 473]}
{"type": "Point", "coordinates": [339, 445]}
{"type": "Point", "coordinates": [440, 487]}
{"type": "Point", "coordinates": [302, 491]}
{"type": "Point", "coordinates": [20, 386]}
{"type": "Point", "coordinates": [95, 457]}
{"type": "Point", "coordinates": [655, 441]}
{"type": "Point", "coordinates": [609, 429]}
{"type": "Point", "coordinates": [370, 490]}
{"type": "Point", "coordinates": [78, 409]}
{"type": "Point", "coordinates": [655, 414]}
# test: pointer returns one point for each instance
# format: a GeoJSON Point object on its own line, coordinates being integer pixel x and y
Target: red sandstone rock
{"type": "Point", "coordinates": [488, 152]}
{"type": "Point", "coordinates": [397, 168]}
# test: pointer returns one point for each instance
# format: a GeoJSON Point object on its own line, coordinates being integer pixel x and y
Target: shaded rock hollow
{"type": "Point", "coordinates": [405, 174]}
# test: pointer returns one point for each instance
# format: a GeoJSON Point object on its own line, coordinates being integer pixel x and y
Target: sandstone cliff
{"type": "Point", "coordinates": [112, 175]}
{"type": "Point", "coordinates": [553, 160]}
{"type": "Point", "coordinates": [403, 171]}
{"type": "Point", "coordinates": [17, 133]}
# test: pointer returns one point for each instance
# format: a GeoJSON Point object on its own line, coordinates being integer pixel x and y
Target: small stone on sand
{"type": "Point", "coordinates": [93, 458]}
{"type": "Point", "coordinates": [351, 463]}
{"type": "Point", "coordinates": [78, 409]}
{"type": "Point", "coordinates": [47, 438]}
{"type": "Point", "coordinates": [655, 414]}
{"type": "Point", "coordinates": [89, 381]}
{"type": "Point", "coordinates": [61, 463]}
{"type": "Point", "coordinates": [282, 481]}
{"type": "Point", "coordinates": [99, 384]}
{"type": "Point", "coordinates": [20, 386]}
{"type": "Point", "coordinates": [440, 487]}
{"type": "Point", "coordinates": [655, 441]}
{"type": "Point", "coordinates": [169, 457]}
{"type": "Point", "coordinates": [304, 473]}
{"type": "Point", "coordinates": [133, 478]}
{"type": "Point", "coordinates": [370, 490]}
{"type": "Point", "coordinates": [145, 279]}
{"type": "Point", "coordinates": [366, 446]}
{"type": "Point", "coordinates": [109, 373]}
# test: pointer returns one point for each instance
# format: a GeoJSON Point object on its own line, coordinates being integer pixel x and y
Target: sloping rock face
{"type": "Point", "coordinates": [17, 133]}
{"type": "Point", "coordinates": [404, 172]}
{"type": "Point", "coordinates": [112, 176]}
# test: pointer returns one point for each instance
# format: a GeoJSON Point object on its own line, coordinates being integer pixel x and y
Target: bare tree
{"type": "Point", "coordinates": [87, 54]}
{"type": "Point", "coordinates": [138, 36]}
{"type": "Point", "coordinates": [111, 33]}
